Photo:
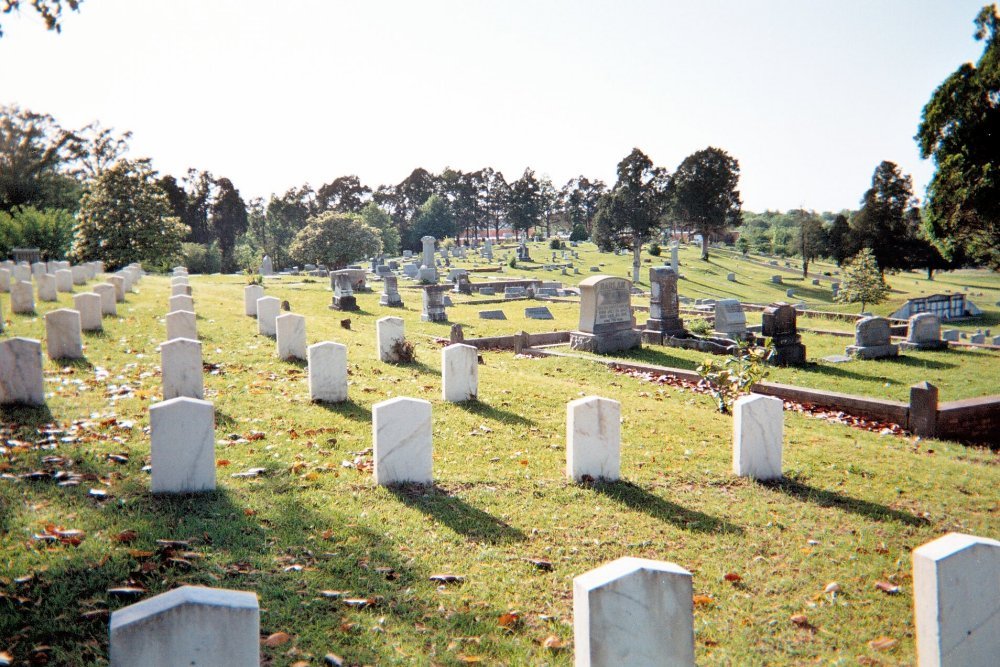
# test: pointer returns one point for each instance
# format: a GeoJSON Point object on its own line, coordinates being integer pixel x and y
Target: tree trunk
{"type": "Point", "coordinates": [805, 267]}
{"type": "Point", "coordinates": [930, 273]}
{"type": "Point", "coordinates": [704, 245]}
{"type": "Point", "coordinates": [636, 260]}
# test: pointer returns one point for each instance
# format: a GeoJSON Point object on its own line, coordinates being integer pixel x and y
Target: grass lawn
{"type": "Point", "coordinates": [313, 530]}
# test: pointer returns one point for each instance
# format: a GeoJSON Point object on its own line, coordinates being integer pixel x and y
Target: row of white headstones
{"type": "Point", "coordinates": [629, 611]}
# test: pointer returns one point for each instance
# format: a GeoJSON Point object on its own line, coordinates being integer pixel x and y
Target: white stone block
{"type": "Point", "coordinates": [593, 438]}
{"type": "Point", "coordinates": [459, 373]}
{"type": "Point", "coordinates": [401, 441]}
{"type": "Point", "coordinates": [21, 272]}
{"type": "Point", "coordinates": [389, 331]}
{"type": "Point", "coordinates": [180, 290]}
{"type": "Point", "coordinates": [189, 625]}
{"type": "Point", "coordinates": [21, 379]}
{"type": "Point", "coordinates": [22, 298]}
{"type": "Point", "coordinates": [64, 280]}
{"type": "Point", "coordinates": [291, 336]}
{"type": "Point", "coordinates": [180, 302]}
{"type": "Point", "coordinates": [327, 372]}
{"type": "Point", "coordinates": [268, 308]}
{"type": "Point", "coordinates": [4, 281]}
{"type": "Point", "coordinates": [182, 434]}
{"type": "Point", "coordinates": [119, 284]}
{"type": "Point", "coordinates": [634, 611]}
{"type": "Point", "coordinates": [63, 336]}
{"type": "Point", "coordinates": [250, 295]}
{"type": "Point", "coordinates": [79, 275]}
{"type": "Point", "coordinates": [179, 280]}
{"type": "Point", "coordinates": [758, 426]}
{"type": "Point", "coordinates": [181, 369]}
{"type": "Point", "coordinates": [956, 600]}
{"type": "Point", "coordinates": [182, 324]}
{"type": "Point", "coordinates": [88, 304]}
{"type": "Point", "coordinates": [109, 303]}
{"type": "Point", "coordinates": [46, 284]}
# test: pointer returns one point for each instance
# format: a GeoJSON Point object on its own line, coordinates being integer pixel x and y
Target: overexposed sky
{"type": "Point", "coordinates": [809, 96]}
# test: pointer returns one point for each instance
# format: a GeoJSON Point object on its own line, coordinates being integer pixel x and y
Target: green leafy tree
{"type": "Point", "coordinates": [283, 218]}
{"type": "Point", "coordinates": [51, 11]}
{"type": "Point", "coordinates": [228, 219]}
{"type": "Point", "coordinates": [629, 215]}
{"type": "Point", "coordinates": [51, 231]}
{"type": "Point", "coordinates": [960, 129]}
{"type": "Point", "coordinates": [345, 194]}
{"type": "Point", "coordinates": [863, 282]}
{"type": "Point", "coordinates": [125, 217]}
{"type": "Point", "coordinates": [376, 218]}
{"type": "Point", "coordinates": [812, 237]}
{"type": "Point", "coordinates": [494, 191]}
{"type": "Point", "coordinates": [703, 193]}
{"type": "Point", "coordinates": [580, 197]}
{"type": "Point", "coordinates": [335, 239]}
{"type": "Point", "coordinates": [524, 205]}
{"type": "Point", "coordinates": [883, 224]}
{"type": "Point", "coordinates": [434, 218]}
{"type": "Point", "coordinates": [579, 233]}
{"type": "Point", "coordinates": [550, 204]}
{"type": "Point", "coordinates": [36, 161]}
{"type": "Point", "coordinates": [840, 245]}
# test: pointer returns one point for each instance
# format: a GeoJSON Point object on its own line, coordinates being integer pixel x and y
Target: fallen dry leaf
{"type": "Point", "coordinates": [541, 564]}
{"type": "Point", "coordinates": [732, 577]}
{"type": "Point", "coordinates": [800, 620]}
{"type": "Point", "coordinates": [883, 643]}
{"type": "Point", "coordinates": [300, 663]}
{"type": "Point", "coordinates": [277, 639]}
{"type": "Point", "coordinates": [447, 578]}
{"type": "Point", "coordinates": [886, 587]}
{"type": "Point", "coordinates": [702, 600]}
{"type": "Point", "coordinates": [509, 620]}
{"type": "Point", "coordinates": [552, 642]}
{"type": "Point", "coordinates": [126, 536]}
{"type": "Point", "coordinates": [832, 587]}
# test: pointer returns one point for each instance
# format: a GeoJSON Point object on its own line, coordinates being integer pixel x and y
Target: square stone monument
{"type": "Point", "coordinates": [778, 323]}
{"type": "Point", "coordinates": [664, 309]}
{"type": "Point", "coordinates": [872, 339]}
{"type": "Point", "coordinates": [606, 319]}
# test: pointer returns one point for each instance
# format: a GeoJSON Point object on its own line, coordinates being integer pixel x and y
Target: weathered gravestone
{"type": "Point", "coordinates": [182, 445]}
{"type": "Point", "coordinates": [63, 337]}
{"type": "Point", "coordinates": [776, 279]}
{"type": "Point", "coordinates": [427, 272]}
{"type": "Point", "coordinates": [758, 430]}
{"type": "Point", "coordinates": [46, 284]}
{"type": "Point", "coordinates": [730, 320]}
{"type": "Point", "coordinates": [593, 439]}
{"type": "Point", "coordinates": [4, 281]}
{"type": "Point", "coordinates": [433, 304]}
{"type": "Point", "coordinates": [401, 441]}
{"type": "Point", "coordinates": [327, 372]}
{"type": "Point", "coordinates": [977, 339]}
{"type": "Point", "coordinates": [343, 292]}
{"type": "Point", "coordinates": [180, 302]}
{"type": "Point", "coordinates": [634, 611]}
{"type": "Point", "coordinates": [119, 284]}
{"type": "Point", "coordinates": [291, 336]}
{"type": "Point", "coordinates": [182, 324]}
{"type": "Point", "coordinates": [538, 313]}
{"type": "Point", "coordinates": [956, 601]}
{"type": "Point", "coordinates": [250, 295]}
{"type": "Point", "coordinates": [180, 290]}
{"type": "Point", "coordinates": [21, 379]}
{"type": "Point", "coordinates": [64, 280]}
{"type": "Point", "coordinates": [872, 339]}
{"type": "Point", "coordinates": [181, 369]}
{"type": "Point", "coordinates": [22, 298]}
{"type": "Point", "coordinates": [390, 292]}
{"type": "Point", "coordinates": [266, 267]}
{"type": "Point", "coordinates": [462, 283]}
{"type": "Point", "coordinates": [268, 308]}
{"type": "Point", "coordinates": [731, 277]}
{"type": "Point", "coordinates": [664, 309]}
{"type": "Point", "coordinates": [190, 625]}
{"type": "Point", "coordinates": [88, 304]}
{"type": "Point", "coordinates": [390, 335]}
{"type": "Point", "coordinates": [778, 323]}
{"type": "Point", "coordinates": [924, 333]}
{"type": "Point", "coordinates": [109, 305]}
{"type": "Point", "coordinates": [515, 292]}
{"type": "Point", "coordinates": [459, 373]}
{"type": "Point", "coordinates": [79, 275]}
{"type": "Point", "coordinates": [605, 316]}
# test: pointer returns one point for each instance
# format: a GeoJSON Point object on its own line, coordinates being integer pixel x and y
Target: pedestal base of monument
{"type": "Point", "coordinates": [427, 275]}
{"type": "Point", "coordinates": [434, 316]}
{"type": "Point", "coordinates": [603, 343]}
{"type": "Point", "coordinates": [393, 301]}
{"type": "Point", "coordinates": [930, 345]}
{"type": "Point", "coordinates": [344, 303]}
{"type": "Point", "coordinates": [873, 351]}
{"type": "Point", "coordinates": [789, 354]}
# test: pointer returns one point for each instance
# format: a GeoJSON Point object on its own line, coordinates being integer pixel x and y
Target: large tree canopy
{"type": "Point", "coordinates": [960, 129]}
{"type": "Point", "coordinates": [335, 239]}
{"type": "Point", "coordinates": [703, 193]}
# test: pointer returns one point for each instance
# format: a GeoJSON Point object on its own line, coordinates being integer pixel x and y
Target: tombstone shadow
{"type": "Point", "coordinates": [834, 370]}
{"type": "Point", "coordinates": [295, 361]}
{"type": "Point", "coordinates": [77, 364]}
{"type": "Point", "coordinates": [636, 498]}
{"type": "Point", "coordinates": [350, 409]}
{"type": "Point", "coordinates": [417, 365]}
{"type": "Point", "coordinates": [223, 419]}
{"type": "Point", "coordinates": [100, 334]}
{"type": "Point", "coordinates": [482, 409]}
{"type": "Point", "coordinates": [800, 490]}
{"type": "Point", "coordinates": [30, 416]}
{"type": "Point", "coordinates": [470, 522]}
{"type": "Point", "coordinates": [909, 360]}
{"type": "Point", "coordinates": [656, 354]}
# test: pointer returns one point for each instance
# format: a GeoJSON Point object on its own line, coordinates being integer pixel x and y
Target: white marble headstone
{"type": "Point", "coordinates": [634, 611]}
{"type": "Point", "coordinates": [182, 324]}
{"type": "Point", "coordinates": [46, 284]}
{"type": "Point", "coordinates": [109, 304]}
{"type": "Point", "coordinates": [190, 625]}
{"type": "Point", "coordinates": [88, 304]}
{"type": "Point", "coordinates": [389, 331]}
{"type": "Point", "coordinates": [593, 438]}
{"type": "Point", "coordinates": [181, 369]}
{"type": "Point", "coordinates": [119, 284]}
{"type": "Point", "coordinates": [180, 302]}
{"type": "Point", "coordinates": [64, 280]}
{"type": "Point", "coordinates": [63, 337]}
{"type": "Point", "coordinates": [21, 379]}
{"type": "Point", "coordinates": [22, 298]}
{"type": "Point", "coordinates": [758, 430]}
{"type": "Point", "coordinates": [291, 336]}
{"type": "Point", "coordinates": [401, 441]}
{"type": "Point", "coordinates": [250, 295]}
{"type": "Point", "coordinates": [327, 372]}
{"type": "Point", "coordinates": [459, 373]}
{"type": "Point", "coordinates": [182, 434]}
{"type": "Point", "coordinates": [268, 308]}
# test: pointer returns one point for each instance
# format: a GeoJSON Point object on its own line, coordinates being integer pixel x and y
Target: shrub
{"type": "Point", "coordinates": [512, 262]}
{"type": "Point", "coordinates": [51, 231]}
{"type": "Point", "coordinates": [201, 257]}
{"type": "Point", "coordinates": [404, 351]}
{"type": "Point", "coordinates": [579, 233]}
{"type": "Point", "coordinates": [655, 250]}
{"type": "Point", "coordinates": [555, 244]}
{"type": "Point", "coordinates": [730, 379]}
{"type": "Point", "coordinates": [699, 326]}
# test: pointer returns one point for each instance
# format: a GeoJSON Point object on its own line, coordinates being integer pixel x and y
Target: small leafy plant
{"type": "Point", "coordinates": [730, 379]}
{"type": "Point", "coordinates": [404, 351]}
{"type": "Point", "coordinates": [699, 326]}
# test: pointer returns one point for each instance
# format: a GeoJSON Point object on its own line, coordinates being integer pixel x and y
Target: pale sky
{"type": "Point", "coordinates": [809, 96]}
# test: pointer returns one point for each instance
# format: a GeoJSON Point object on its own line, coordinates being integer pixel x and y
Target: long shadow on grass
{"type": "Point", "coordinates": [29, 416]}
{"type": "Point", "coordinates": [349, 408]}
{"type": "Point", "coordinates": [835, 371]}
{"type": "Point", "coordinates": [874, 511]}
{"type": "Point", "coordinates": [492, 412]}
{"type": "Point", "coordinates": [470, 522]}
{"type": "Point", "coordinates": [907, 360]}
{"type": "Point", "coordinates": [636, 498]}
{"type": "Point", "coordinates": [418, 366]}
